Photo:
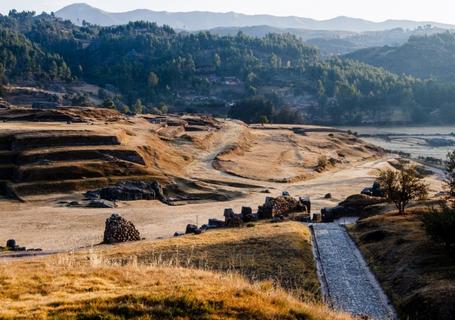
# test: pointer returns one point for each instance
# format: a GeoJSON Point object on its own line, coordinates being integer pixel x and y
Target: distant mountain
{"type": "Point", "coordinates": [336, 42]}
{"type": "Point", "coordinates": [198, 20]}
{"type": "Point", "coordinates": [423, 56]}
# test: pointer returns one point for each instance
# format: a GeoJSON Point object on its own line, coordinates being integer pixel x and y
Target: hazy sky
{"type": "Point", "coordinates": [377, 10]}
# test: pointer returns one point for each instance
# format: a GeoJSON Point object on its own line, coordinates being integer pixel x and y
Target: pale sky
{"type": "Point", "coordinates": [376, 10]}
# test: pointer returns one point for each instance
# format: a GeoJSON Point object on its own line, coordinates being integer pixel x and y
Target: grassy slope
{"type": "Point", "coordinates": [417, 274]}
{"type": "Point", "coordinates": [278, 252]}
{"type": "Point", "coordinates": [147, 280]}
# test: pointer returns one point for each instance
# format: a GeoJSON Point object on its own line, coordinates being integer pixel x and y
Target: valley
{"type": "Point", "coordinates": [222, 165]}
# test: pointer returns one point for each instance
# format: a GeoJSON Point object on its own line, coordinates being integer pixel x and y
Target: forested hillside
{"type": "Point", "coordinates": [203, 72]}
{"type": "Point", "coordinates": [430, 56]}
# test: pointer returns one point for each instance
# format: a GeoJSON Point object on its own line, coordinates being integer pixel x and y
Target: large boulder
{"type": "Point", "coordinates": [130, 191]}
{"type": "Point", "coordinates": [330, 214]}
{"type": "Point", "coordinates": [279, 206]}
{"type": "Point", "coordinates": [231, 219]}
{"type": "Point", "coordinates": [234, 221]}
{"type": "Point", "coordinates": [248, 215]}
{"type": "Point", "coordinates": [356, 204]}
{"type": "Point", "coordinates": [191, 228]}
{"type": "Point", "coordinates": [11, 244]}
{"type": "Point", "coordinates": [119, 230]}
{"type": "Point", "coordinates": [215, 223]}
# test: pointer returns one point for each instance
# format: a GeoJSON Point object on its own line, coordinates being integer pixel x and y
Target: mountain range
{"type": "Point", "coordinates": [200, 20]}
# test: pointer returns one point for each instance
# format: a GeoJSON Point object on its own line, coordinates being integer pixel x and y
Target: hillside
{"type": "Point", "coordinates": [332, 42]}
{"type": "Point", "coordinates": [416, 272]}
{"type": "Point", "coordinates": [141, 67]}
{"type": "Point", "coordinates": [424, 56]}
{"type": "Point", "coordinates": [195, 20]}
{"type": "Point", "coordinates": [50, 159]}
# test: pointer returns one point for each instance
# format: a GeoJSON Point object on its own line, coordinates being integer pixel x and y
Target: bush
{"type": "Point", "coordinates": [322, 162]}
{"type": "Point", "coordinates": [440, 225]}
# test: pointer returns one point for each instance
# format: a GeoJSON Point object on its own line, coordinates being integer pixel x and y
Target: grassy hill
{"type": "Point", "coordinates": [226, 274]}
{"type": "Point", "coordinates": [417, 274]}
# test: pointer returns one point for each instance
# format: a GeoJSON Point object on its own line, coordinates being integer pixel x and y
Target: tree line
{"type": "Point", "coordinates": [158, 65]}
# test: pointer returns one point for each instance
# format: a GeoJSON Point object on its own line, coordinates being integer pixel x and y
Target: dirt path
{"type": "Point", "coordinates": [347, 282]}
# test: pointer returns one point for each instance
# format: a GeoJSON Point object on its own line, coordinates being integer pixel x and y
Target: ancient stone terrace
{"type": "Point", "coordinates": [44, 161]}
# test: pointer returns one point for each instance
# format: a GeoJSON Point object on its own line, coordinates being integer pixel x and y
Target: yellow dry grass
{"type": "Point", "coordinates": [119, 283]}
{"type": "Point", "coordinates": [277, 252]}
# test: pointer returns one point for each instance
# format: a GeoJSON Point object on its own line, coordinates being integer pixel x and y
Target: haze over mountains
{"type": "Point", "coordinates": [198, 20]}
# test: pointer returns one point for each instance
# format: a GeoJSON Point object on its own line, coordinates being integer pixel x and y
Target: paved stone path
{"type": "Point", "coordinates": [347, 282]}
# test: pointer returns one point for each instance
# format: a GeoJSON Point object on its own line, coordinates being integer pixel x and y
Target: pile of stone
{"type": "Point", "coordinates": [276, 209]}
{"type": "Point", "coordinates": [129, 191]}
{"type": "Point", "coordinates": [11, 245]}
{"type": "Point", "coordinates": [118, 230]}
{"type": "Point", "coordinates": [282, 206]}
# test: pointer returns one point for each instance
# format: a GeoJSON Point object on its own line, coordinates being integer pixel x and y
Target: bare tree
{"type": "Point", "coordinates": [402, 186]}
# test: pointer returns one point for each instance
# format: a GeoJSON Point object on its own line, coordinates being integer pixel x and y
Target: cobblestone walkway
{"type": "Point", "coordinates": [347, 281]}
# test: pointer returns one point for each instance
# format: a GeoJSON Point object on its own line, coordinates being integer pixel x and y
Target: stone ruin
{"type": "Point", "coordinates": [283, 205]}
{"type": "Point", "coordinates": [129, 191]}
{"type": "Point", "coordinates": [275, 209]}
{"type": "Point", "coordinates": [11, 245]}
{"type": "Point", "coordinates": [231, 219]}
{"type": "Point", "coordinates": [118, 230]}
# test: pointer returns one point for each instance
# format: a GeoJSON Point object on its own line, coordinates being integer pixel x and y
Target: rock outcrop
{"type": "Point", "coordinates": [119, 230]}
{"type": "Point", "coordinates": [130, 191]}
{"type": "Point", "coordinates": [355, 205]}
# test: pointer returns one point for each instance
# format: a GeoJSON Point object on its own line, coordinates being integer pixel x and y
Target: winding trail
{"type": "Point", "coordinates": [346, 280]}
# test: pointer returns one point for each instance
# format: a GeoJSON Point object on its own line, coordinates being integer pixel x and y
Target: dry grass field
{"type": "Point", "coordinates": [172, 279]}
{"type": "Point", "coordinates": [264, 251]}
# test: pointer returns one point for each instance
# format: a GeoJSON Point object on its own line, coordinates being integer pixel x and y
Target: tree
{"type": "Point", "coordinates": [108, 103]}
{"type": "Point", "coordinates": [217, 60]}
{"type": "Point", "coordinates": [402, 186]}
{"type": "Point", "coordinates": [153, 80]}
{"type": "Point", "coordinates": [263, 120]}
{"type": "Point", "coordinates": [138, 107]}
{"type": "Point", "coordinates": [163, 108]}
{"type": "Point", "coordinates": [123, 109]}
{"type": "Point", "coordinates": [250, 110]}
{"type": "Point", "coordinates": [450, 174]}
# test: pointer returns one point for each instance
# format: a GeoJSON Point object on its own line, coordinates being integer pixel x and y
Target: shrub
{"type": "Point", "coordinates": [322, 162]}
{"type": "Point", "coordinates": [440, 225]}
